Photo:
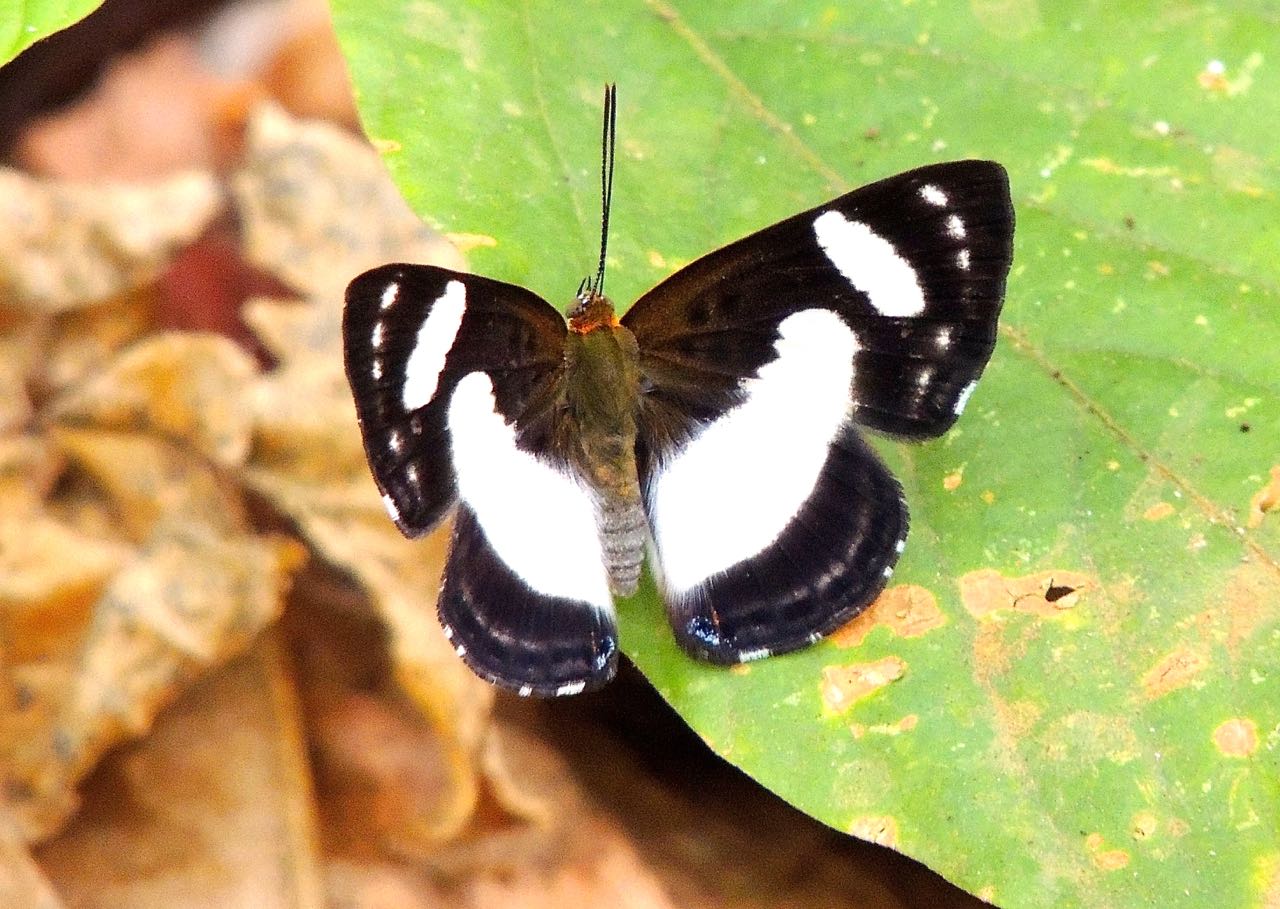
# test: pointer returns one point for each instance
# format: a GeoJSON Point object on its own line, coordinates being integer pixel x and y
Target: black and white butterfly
{"type": "Point", "coordinates": [717, 421]}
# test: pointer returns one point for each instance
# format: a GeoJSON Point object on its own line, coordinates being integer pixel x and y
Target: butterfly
{"type": "Point", "coordinates": [716, 423]}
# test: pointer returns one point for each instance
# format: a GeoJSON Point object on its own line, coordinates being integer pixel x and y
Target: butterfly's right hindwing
{"type": "Point", "coordinates": [410, 334]}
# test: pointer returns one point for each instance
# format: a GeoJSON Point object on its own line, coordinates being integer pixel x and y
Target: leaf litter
{"type": "Point", "coordinates": [136, 556]}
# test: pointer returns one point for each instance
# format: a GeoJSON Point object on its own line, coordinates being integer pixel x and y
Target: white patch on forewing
{"type": "Point", "coordinates": [569, 688]}
{"type": "Point", "coordinates": [435, 338]}
{"type": "Point", "coordinates": [731, 491]}
{"type": "Point", "coordinates": [964, 398]}
{"type": "Point", "coordinates": [933, 195]}
{"type": "Point", "coordinates": [390, 294]}
{"type": "Point", "coordinates": [389, 504]}
{"type": "Point", "coordinates": [962, 259]}
{"type": "Point", "coordinates": [540, 522]}
{"type": "Point", "coordinates": [871, 264]}
{"type": "Point", "coordinates": [955, 227]}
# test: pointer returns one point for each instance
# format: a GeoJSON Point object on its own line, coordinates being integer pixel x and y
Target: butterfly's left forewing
{"type": "Point", "coordinates": [456, 380]}
{"type": "Point", "coordinates": [773, 521]}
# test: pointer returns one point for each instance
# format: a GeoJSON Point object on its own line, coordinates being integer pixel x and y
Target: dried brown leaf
{"type": "Point", "coordinates": [186, 387]}
{"type": "Point", "coordinates": [386, 779]}
{"type": "Point", "coordinates": [29, 466]}
{"type": "Point", "coordinates": [345, 522]}
{"type": "Point", "coordinates": [305, 420]}
{"type": "Point", "coordinates": [83, 342]}
{"type": "Point", "coordinates": [150, 481]}
{"type": "Point", "coordinates": [154, 111]}
{"type": "Point", "coordinates": [22, 883]}
{"type": "Point", "coordinates": [66, 245]}
{"type": "Point", "coordinates": [214, 808]}
{"type": "Point", "coordinates": [318, 207]}
{"type": "Point", "coordinates": [188, 600]}
{"type": "Point", "coordinates": [45, 596]}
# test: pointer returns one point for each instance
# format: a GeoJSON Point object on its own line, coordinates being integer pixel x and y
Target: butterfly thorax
{"type": "Point", "coordinates": [601, 388]}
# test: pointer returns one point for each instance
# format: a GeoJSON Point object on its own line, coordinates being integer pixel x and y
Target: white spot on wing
{"type": "Point", "coordinates": [955, 227]}
{"type": "Point", "coordinates": [746, 656]}
{"type": "Point", "coordinates": [570, 688]}
{"type": "Point", "coordinates": [389, 504]}
{"type": "Point", "coordinates": [933, 195]}
{"type": "Point", "coordinates": [944, 337]}
{"type": "Point", "coordinates": [870, 263]}
{"type": "Point", "coordinates": [963, 400]}
{"type": "Point", "coordinates": [525, 691]}
{"type": "Point", "coordinates": [540, 522]}
{"type": "Point", "coordinates": [377, 337]}
{"type": "Point", "coordinates": [962, 259]}
{"type": "Point", "coordinates": [732, 491]}
{"type": "Point", "coordinates": [390, 294]}
{"type": "Point", "coordinates": [435, 338]}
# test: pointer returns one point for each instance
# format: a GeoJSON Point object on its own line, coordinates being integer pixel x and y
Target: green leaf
{"type": "Point", "coordinates": [24, 22]}
{"type": "Point", "coordinates": [1113, 741]}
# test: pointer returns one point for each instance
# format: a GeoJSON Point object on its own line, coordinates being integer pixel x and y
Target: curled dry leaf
{"type": "Point", "coordinates": [318, 207]}
{"type": "Point", "coordinates": [189, 600]}
{"type": "Point", "coordinates": [66, 246]}
{"type": "Point", "coordinates": [187, 387]}
{"type": "Point", "coordinates": [212, 809]}
{"type": "Point", "coordinates": [22, 883]}
{"type": "Point", "coordinates": [149, 482]}
{"type": "Point", "coordinates": [84, 342]}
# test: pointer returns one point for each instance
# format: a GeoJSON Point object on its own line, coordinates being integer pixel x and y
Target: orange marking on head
{"type": "Point", "coordinates": [591, 313]}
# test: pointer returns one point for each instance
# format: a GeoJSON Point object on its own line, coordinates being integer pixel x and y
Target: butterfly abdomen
{"type": "Point", "coordinates": [602, 377]}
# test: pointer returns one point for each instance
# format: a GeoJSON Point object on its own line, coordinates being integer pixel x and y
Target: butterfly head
{"type": "Point", "coordinates": [591, 310]}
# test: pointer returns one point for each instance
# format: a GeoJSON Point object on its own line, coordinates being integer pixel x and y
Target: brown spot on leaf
{"type": "Point", "coordinates": [1143, 825]}
{"type": "Point", "coordinates": [1158, 512]}
{"type": "Point", "coordinates": [1237, 737]}
{"type": "Point", "coordinates": [951, 482]}
{"type": "Point", "coordinates": [1106, 859]}
{"type": "Point", "coordinates": [988, 496]}
{"type": "Point", "coordinates": [908, 610]}
{"type": "Point", "coordinates": [1264, 500]}
{"type": "Point", "coordinates": [1046, 593]}
{"type": "Point", "coordinates": [1248, 600]}
{"type": "Point", "coordinates": [1178, 827]}
{"type": "Point", "coordinates": [842, 686]}
{"type": "Point", "coordinates": [1172, 672]}
{"type": "Point", "coordinates": [881, 829]}
{"type": "Point", "coordinates": [1111, 859]}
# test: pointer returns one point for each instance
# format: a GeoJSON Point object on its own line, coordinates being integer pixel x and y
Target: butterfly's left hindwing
{"type": "Point", "coordinates": [773, 522]}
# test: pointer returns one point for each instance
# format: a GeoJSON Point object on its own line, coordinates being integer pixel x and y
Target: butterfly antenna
{"type": "Point", "coordinates": [608, 145]}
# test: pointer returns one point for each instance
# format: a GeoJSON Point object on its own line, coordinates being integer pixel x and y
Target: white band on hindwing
{"type": "Point", "coordinates": [539, 520]}
{"type": "Point", "coordinates": [732, 491]}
